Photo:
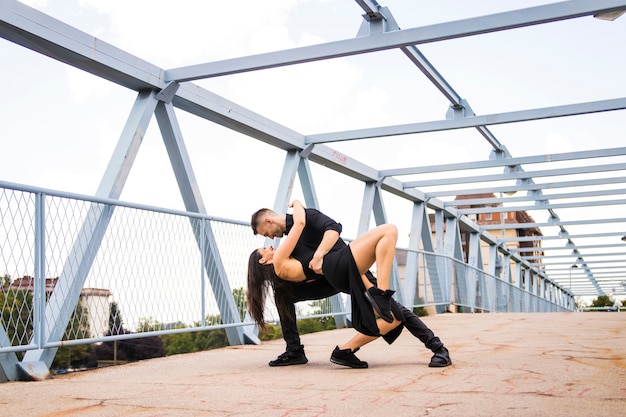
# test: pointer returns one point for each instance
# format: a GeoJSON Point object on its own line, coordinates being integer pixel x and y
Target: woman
{"type": "Point", "coordinates": [343, 269]}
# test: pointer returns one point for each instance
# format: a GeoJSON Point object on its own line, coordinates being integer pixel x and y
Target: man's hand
{"type": "Point", "coordinates": [316, 263]}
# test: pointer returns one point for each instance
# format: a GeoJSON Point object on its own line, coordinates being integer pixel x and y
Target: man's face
{"type": "Point", "coordinates": [269, 229]}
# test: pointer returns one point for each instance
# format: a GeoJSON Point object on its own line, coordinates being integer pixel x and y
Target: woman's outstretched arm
{"type": "Point", "coordinates": [288, 244]}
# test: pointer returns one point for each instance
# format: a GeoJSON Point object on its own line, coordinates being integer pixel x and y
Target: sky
{"type": "Point", "coordinates": [60, 125]}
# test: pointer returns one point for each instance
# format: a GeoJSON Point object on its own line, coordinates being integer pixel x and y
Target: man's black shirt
{"type": "Point", "coordinates": [316, 224]}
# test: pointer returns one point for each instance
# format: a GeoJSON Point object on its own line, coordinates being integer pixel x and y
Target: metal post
{"type": "Point", "coordinates": [570, 279]}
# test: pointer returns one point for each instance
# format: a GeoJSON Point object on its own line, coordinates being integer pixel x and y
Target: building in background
{"type": "Point", "coordinates": [94, 301]}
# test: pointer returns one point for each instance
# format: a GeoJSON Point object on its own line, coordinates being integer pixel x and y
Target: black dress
{"type": "Point", "coordinates": [341, 272]}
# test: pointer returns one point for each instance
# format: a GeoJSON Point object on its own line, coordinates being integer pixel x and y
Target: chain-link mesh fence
{"type": "Point", "coordinates": [102, 268]}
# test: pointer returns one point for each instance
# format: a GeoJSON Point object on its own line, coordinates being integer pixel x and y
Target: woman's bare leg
{"type": "Point", "coordinates": [361, 339]}
{"type": "Point", "coordinates": [378, 246]}
{"type": "Point", "coordinates": [366, 282]}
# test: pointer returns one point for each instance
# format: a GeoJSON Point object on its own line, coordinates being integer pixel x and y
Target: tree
{"type": "Point", "coordinates": [116, 324]}
{"type": "Point", "coordinates": [6, 281]}
{"type": "Point", "coordinates": [314, 325]}
{"type": "Point", "coordinates": [239, 295]}
{"type": "Point", "coordinates": [76, 356]}
{"type": "Point", "coordinates": [17, 319]}
{"type": "Point", "coordinates": [188, 342]}
{"type": "Point", "coordinates": [271, 332]}
{"type": "Point", "coordinates": [602, 301]}
{"type": "Point", "coordinates": [17, 307]}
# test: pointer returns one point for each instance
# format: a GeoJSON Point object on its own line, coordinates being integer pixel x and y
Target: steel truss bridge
{"type": "Point", "coordinates": [562, 190]}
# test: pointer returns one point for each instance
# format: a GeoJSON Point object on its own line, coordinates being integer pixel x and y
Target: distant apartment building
{"type": "Point", "coordinates": [508, 229]}
{"type": "Point", "coordinates": [508, 222]}
{"type": "Point", "coordinates": [95, 301]}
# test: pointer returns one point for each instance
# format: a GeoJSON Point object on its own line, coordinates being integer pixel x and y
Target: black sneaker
{"type": "Point", "coordinates": [379, 300]}
{"type": "Point", "coordinates": [440, 359]}
{"type": "Point", "coordinates": [346, 357]}
{"type": "Point", "coordinates": [294, 357]}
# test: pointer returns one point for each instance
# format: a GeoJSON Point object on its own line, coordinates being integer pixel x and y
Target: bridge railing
{"type": "Point", "coordinates": [147, 273]}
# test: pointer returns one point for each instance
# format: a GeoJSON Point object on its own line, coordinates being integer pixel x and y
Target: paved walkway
{"type": "Point", "coordinates": [552, 364]}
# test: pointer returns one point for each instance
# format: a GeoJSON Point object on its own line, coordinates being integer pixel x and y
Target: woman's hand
{"type": "Point", "coordinates": [299, 216]}
{"type": "Point", "coordinates": [283, 252]}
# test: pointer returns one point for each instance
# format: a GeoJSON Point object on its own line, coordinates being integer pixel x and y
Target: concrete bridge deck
{"type": "Point", "coordinates": [542, 364]}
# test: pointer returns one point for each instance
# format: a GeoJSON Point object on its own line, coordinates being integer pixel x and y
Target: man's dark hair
{"type": "Point", "coordinates": [254, 222]}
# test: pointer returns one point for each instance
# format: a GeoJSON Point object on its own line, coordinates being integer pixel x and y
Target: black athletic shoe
{"type": "Point", "coordinates": [346, 357]}
{"type": "Point", "coordinates": [440, 359]}
{"type": "Point", "coordinates": [379, 300]}
{"type": "Point", "coordinates": [295, 357]}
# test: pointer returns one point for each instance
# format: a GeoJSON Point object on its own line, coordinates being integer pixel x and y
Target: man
{"type": "Point", "coordinates": [320, 236]}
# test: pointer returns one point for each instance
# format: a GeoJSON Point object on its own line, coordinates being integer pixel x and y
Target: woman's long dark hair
{"type": "Point", "coordinates": [259, 278]}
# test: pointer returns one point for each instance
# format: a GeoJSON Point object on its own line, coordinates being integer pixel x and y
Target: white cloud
{"type": "Point", "coordinates": [186, 32]}
{"type": "Point", "coordinates": [38, 4]}
{"type": "Point", "coordinates": [86, 87]}
{"type": "Point", "coordinates": [556, 143]}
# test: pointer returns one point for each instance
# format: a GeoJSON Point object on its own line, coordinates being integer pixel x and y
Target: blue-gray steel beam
{"type": "Point", "coordinates": [411, 289]}
{"type": "Point", "coordinates": [60, 41]}
{"type": "Point", "coordinates": [556, 223]}
{"type": "Point", "coordinates": [92, 55]}
{"type": "Point", "coordinates": [454, 251]}
{"type": "Point", "coordinates": [337, 303]}
{"type": "Point", "coordinates": [285, 184]}
{"type": "Point", "coordinates": [378, 207]}
{"type": "Point", "coordinates": [39, 32]}
{"type": "Point", "coordinates": [506, 162]}
{"type": "Point", "coordinates": [373, 203]}
{"type": "Point", "coordinates": [458, 107]}
{"type": "Point", "coordinates": [569, 248]}
{"type": "Point", "coordinates": [370, 7]}
{"type": "Point", "coordinates": [192, 198]}
{"type": "Point", "coordinates": [367, 203]}
{"type": "Point", "coordinates": [437, 279]}
{"type": "Point", "coordinates": [85, 247]}
{"type": "Point", "coordinates": [612, 276]}
{"type": "Point", "coordinates": [592, 279]}
{"type": "Point", "coordinates": [125, 151]}
{"type": "Point", "coordinates": [219, 110]}
{"type": "Point", "coordinates": [475, 261]}
{"type": "Point", "coordinates": [427, 244]}
{"type": "Point", "coordinates": [8, 360]}
{"type": "Point", "coordinates": [542, 207]}
{"type": "Point", "coordinates": [390, 40]}
{"type": "Point", "coordinates": [528, 187]}
{"type": "Point", "coordinates": [179, 158]}
{"type": "Point", "coordinates": [472, 121]}
{"type": "Point", "coordinates": [30, 28]}
{"type": "Point", "coordinates": [577, 236]}
{"type": "Point", "coordinates": [434, 76]}
{"type": "Point", "coordinates": [295, 164]}
{"type": "Point", "coordinates": [39, 291]}
{"type": "Point", "coordinates": [519, 175]}
{"type": "Point", "coordinates": [307, 184]}
{"type": "Point", "coordinates": [536, 197]}
{"type": "Point", "coordinates": [589, 255]}
{"type": "Point", "coordinates": [374, 11]}
{"type": "Point", "coordinates": [614, 264]}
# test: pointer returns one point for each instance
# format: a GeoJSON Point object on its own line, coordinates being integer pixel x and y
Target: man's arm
{"type": "Point", "coordinates": [331, 231]}
{"type": "Point", "coordinates": [327, 243]}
